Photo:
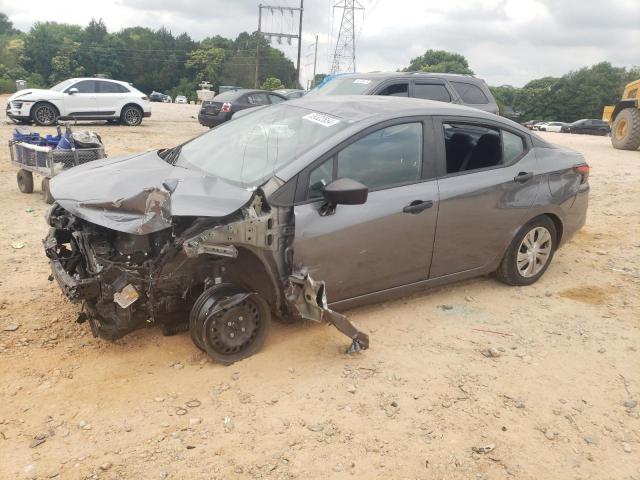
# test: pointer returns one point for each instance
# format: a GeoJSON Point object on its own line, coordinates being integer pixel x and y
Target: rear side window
{"type": "Point", "coordinates": [110, 87]}
{"type": "Point", "coordinates": [470, 93]}
{"type": "Point", "coordinates": [474, 147]}
{"type": "Point", "coordinates": [275, 99]}
{"type": "Point", "coordinates": [257, 99]}
{"type": "Point", "coordinates": [85, 86]}
{"type": "Point", "coordinates": [395, 90]}
{"type": "Point", "coordinates": [430, 91]}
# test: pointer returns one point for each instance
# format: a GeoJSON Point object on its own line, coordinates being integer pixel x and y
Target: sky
{"type": "Point", "coordinates": [505, 41]}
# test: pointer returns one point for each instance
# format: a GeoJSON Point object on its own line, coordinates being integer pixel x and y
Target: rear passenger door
{"type": "Point", "coordinates": [488, 182]}
{"type": "Point", "coordinates": [111, 97]}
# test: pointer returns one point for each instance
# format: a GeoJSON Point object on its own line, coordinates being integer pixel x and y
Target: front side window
{"type": "Point", "coordinates": [395, 90]}
{"type": "Point", "coordinates": [431, 91]}
{"type": "Point", "coordinates": [387, 157]}
{"type": "Point", "coordinates": [470, 93]}
{"type": "Point", "coordinates": [85, 86]}
{"type": "Point", "coordinates": [472, 147]}
{"type": "Point", "coordinates": [250, 149]}
{"type": "Point", "coordinates": [320, 177]}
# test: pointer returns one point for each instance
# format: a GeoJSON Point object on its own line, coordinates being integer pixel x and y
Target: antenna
{"type": "Point", "coordinates": [344, 57]}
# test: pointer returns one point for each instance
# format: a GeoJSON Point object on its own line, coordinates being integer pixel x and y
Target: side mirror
{"type": "Point", "coordinates": [345, 191]}
{"type": "Point", "coordinates": [72, 90]}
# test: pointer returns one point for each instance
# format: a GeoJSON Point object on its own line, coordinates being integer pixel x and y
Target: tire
{"type": "Point", "coordinates": [25, 181]}
{"type": "Point", "coordinates": [625, 131]}
{"type": "Point", "coordinates": [204, 302]}
{"type": "Point", "coordinates": [516, 267]}
{"type": "Point", "coordinates": [44, 114]}
{"type": "Point", "coordinates": [232, 333]}
{"type": "Point", "coordinates": [131, 116]}
{"type": "Point", "coordinates": [46, 192]}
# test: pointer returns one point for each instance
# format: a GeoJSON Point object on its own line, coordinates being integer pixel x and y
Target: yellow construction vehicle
{"type": "Point", "coordinates": [624, 118]}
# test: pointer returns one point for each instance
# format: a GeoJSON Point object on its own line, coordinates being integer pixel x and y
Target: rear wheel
{"type": "Point", "coordinates": [25, 181]}
{"type": "Point", "coordinates": [46, 193]}
{"type": "Point", "coordinates": [131, 115]}
{"type": "Point", "coordinates": [625, 131]}
{"type": "Point", "coordinates": [530, 253]}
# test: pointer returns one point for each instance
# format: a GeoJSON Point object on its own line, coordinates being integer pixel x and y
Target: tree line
{"type": "Point", "coordinates": [149, 59]}
{"type": "Point", "coordinates": [159, 60]}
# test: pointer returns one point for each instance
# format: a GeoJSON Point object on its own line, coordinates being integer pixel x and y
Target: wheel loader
{"type": "Point", "coordinates": [624, 118]}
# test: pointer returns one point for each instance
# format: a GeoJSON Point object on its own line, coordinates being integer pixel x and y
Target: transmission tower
{"type": "Point", "coordinates": [344, 57]}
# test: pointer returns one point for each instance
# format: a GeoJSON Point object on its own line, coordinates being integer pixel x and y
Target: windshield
{"type": "Point", "coordinates": [62, 85]}
{"type": "Point", "coordinates": [345, 86]}
{"type": "Point", "coordinates": [248, 150]}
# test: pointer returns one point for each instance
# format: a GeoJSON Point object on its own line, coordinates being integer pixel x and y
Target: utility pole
{"type": "Point", "coordinates": [272, 9]}
{"type": "Point", "coordinates": [344, 57]}
{"type": "Point", "coordinates": [315, 61]}
{"type": "Point", "coordinates": [299, 42]}
{"type": "Point", "coordinates": [257, 78]}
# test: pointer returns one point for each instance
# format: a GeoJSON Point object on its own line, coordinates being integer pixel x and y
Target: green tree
{"type": "Point", "coordinates": [206, 63]}
{"type": "Point", "coordinates": [272, 83]}
{"type": "Point", "coordinates": [439, 61]}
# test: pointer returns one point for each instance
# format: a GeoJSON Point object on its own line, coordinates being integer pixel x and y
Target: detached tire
{"type": "Point", "coordinates": [46, 193]}
{"type": "Point", "coordinates": [131, 116]}
{"type": "Point", "coordinates": [529, 254]}
{"type": "Point", "coordinates": [625, 131]}
{"type": "Point", "coordinates": [25, 181]}
{"type": "Point", "coordinates": [44, 114]}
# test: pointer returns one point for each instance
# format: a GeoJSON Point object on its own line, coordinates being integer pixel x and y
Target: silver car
{"type": "Point", "coordinates": [304, 209]}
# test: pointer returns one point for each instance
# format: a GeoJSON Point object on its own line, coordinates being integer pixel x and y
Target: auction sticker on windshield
{"type": "Point", "coordinates": [321, 119]}
{"type": "Point", "coordinates": [363, 81]}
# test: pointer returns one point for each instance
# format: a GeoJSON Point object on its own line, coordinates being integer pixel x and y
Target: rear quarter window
{"type": "Point", "coordinates": [470, 93]}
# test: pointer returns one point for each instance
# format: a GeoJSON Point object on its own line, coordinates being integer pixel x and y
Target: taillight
{"type": "Point", "coordinates": [583, 170]}
{"type": "Point", "coordinates": [226, 107]}
{"type": "Point", "coordinates": [145, 98]}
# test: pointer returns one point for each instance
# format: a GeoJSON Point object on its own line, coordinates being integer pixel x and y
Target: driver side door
{"type": "Point", "coordinates": [387, 241]}
{"type": "Point", "coordinates": [84, 102]}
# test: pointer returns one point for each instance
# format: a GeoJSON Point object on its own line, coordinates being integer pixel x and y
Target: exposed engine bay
{"type": "Point", "coordinates": [221, 278]}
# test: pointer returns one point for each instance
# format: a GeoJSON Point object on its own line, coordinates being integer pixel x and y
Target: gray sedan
{"type": "Point", "coordinates": [306, 208]}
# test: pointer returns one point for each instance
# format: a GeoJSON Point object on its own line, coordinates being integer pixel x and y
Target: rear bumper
{"type": "Point", "coordinates": [212, 120]}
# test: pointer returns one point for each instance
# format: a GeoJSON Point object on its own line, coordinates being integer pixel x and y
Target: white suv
{"type": "Point", "coordinates": [80, 99]}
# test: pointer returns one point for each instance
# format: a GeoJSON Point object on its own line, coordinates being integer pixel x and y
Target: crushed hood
{"type": "Point", "coordinates": [30, 93]}
{"type": "Point", "coordinates": [140, 193]}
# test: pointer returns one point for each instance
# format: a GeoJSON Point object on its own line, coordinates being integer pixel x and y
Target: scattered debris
{"type": "Point", "coordinates": [631, 403]}
{"type": "Point", "coordinates": [484, 449]}
{"type": "Point", "coordinates": [18, 245]}
{"type": "Point", "coordinates": [491, 352]}
{"type": "Point", "coordinates": [11, 327]}
{"type": "Point", "coordinates": [493, 331]}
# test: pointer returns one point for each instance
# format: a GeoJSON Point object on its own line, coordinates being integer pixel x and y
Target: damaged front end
{"type": "Point", "coordinates": [220, 277]}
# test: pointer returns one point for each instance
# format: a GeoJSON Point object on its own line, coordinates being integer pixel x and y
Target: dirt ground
{"type": "Point", "coordinates": [557, 399]}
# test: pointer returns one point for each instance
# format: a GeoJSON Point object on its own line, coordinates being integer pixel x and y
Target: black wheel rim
{"type": "Point", "coordinates": [235, 329]}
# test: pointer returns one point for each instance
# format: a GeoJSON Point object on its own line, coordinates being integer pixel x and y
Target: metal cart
{"type": "Point", "coordinates": [47, 162]}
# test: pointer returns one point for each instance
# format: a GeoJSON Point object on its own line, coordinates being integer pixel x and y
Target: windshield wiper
{"type": "Point", "coordinates": [172, 155]}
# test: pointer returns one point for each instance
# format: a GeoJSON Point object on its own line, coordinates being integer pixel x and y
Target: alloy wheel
{"type": "Point", "coordinates": [45, 115]}
{"type": "Point", "coordinates": [534, 252]}
{"type": "Point", "coordinates": [132, 116]}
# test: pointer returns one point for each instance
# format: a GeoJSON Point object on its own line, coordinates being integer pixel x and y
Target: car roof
{"type": "Point", "coordinates": [358, 107]}
{"type": "Point", "coordinates": [383, 75]}
{"type": "Point", "coordinates": [99, 78]}
{"type": "Point", "coordinates": [241, 91]}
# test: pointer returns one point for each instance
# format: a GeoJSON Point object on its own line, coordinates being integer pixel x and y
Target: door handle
{"type": "Point", "coordinates": [523, 177]}
{"type": "Point", "coordinates": [417, 206]}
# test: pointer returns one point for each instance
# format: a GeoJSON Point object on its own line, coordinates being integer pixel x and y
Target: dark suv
{"type": "Point", "coordinates": [443, 87]}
